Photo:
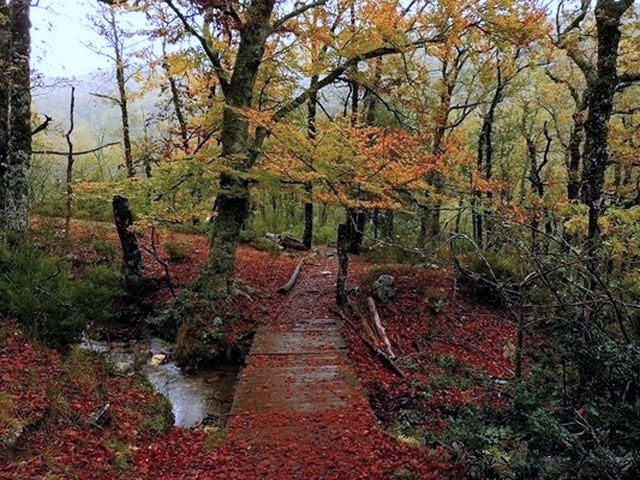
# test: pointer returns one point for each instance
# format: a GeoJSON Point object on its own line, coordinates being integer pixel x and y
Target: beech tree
{"type": "Point", "coordinates": [250, 30]}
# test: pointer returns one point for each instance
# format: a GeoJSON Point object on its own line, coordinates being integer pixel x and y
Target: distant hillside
{"type": "Point", "coordinates": [97, 119]}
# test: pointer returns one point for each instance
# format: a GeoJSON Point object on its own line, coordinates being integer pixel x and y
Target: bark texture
{"type": "Point", "coordinates": [596, 155]}
{"type": "Point", "coordinates": [232, 203]}
{"type": "Point", "coordinates": [15, 108]}
{"type": "Point", "coordinates": [5, 98]}
{"type": "Point", "coordinates": [70, 163]}
{"type": "Point", "coordinates": [312, 108]}
{"type": "Point", "coordinates": [132, 259]}
{"type": "Point", "coordinates": [343, 263]}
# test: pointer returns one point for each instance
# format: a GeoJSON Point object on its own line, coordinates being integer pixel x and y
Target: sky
{"type": "Point", "coordinates": [60, 34]}
{"type": "Point", "coordinates": [61, 31]}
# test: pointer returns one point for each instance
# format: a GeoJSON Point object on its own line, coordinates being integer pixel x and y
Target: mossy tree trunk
{"type": "Point", "coordinates": [5, 98]}
{"type": "Point", "coordinates": [232, 203]}
{"type": "Point", "coordinates": [596, 155]}
{"type": "Point", "coordinates": [15, 107]}
{"type": "Point", "coordinates": [132, 259]}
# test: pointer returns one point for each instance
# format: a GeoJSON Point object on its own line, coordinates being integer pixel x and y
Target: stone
{"type": "Point", "coordinates": [157, 359]}
{"type": "Point", "coordinates": [382, 289]}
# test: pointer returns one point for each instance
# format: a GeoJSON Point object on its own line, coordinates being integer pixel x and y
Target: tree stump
{"type": "Point", "coordinates": [132, 259]}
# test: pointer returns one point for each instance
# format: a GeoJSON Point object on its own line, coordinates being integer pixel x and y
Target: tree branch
{"type": "Point", "coordinates": [213, 56]}
{"type": "Point", "coordinates": [42, 126]}
{"type": "Point", "coordinates": [298, 11]}
{"type": "Point", "coordinates": [75, 154]}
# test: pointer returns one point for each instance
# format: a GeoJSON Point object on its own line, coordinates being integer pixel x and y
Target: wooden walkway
{"type": "Point", "coordinates": [298, 387]}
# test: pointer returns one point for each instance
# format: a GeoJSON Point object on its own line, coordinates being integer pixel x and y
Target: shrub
{"type": "Point", "coordinates": [199, 342]}
{"type": "Point", "coordinates": [105, 251]}
{"type": "Point", "coordinates": [384, 254]}
{"type": "Point", "coordinates": [177, 252]}
{"type": "Point", "coordinates": [437, 300]}
{"type": "Point", "coordinates": [41, 294]}
{"type": "Point", "coordinates": [490, 276]}
{"type": "Point", "coordinates": [158, 415]}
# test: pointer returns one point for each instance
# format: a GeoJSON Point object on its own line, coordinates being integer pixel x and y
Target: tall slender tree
{"type": "Point", "coordinates": [109, 28]}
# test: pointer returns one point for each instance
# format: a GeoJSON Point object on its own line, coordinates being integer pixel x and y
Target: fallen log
{"type": "Point", "coordinates": [294, 278]}
{"type": "Point", "coordinates": [286, 242]}
{"type": "Point", "coordinates": [377, 352]}
{"type": "Point", "coordinates": [380, 331]}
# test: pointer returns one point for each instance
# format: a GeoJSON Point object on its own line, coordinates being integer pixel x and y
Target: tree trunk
{"type": "Point", "coordinates": [357, 221]}
{"type": "Point", "coordinates": [132, 259]}
{"type": "Point", "coordinates": [232, 203]}
{"type": "Point", "coordinates": [575, 157]}
{"type": "Point", "coordinates": [596, 155]}
{"type": "Point", "coordinates": [343, 263]}
{"type": "Point", "coordinates": [485, 158]}
{"type": "Point", "coordinates": [14, 215]}
{"type": "Point", "coordinates": [312, 104]}
{"type": "Point", "coordinates": [124, 101]}
{"type": "Point", "coordinates": [5, 99]}
{"type": "Point", "coordinates": [388, 224]}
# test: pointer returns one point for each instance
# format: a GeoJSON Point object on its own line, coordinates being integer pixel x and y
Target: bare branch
{"type": "Point", "coordinates": [75, 154]}
{"type": "Point", "coordinates": [298, 11]}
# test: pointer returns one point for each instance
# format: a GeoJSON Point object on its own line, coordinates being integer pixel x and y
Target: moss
{"type": "Point", "coordinates": [123, 459]}
{"type": "Point", "coordinates": [158, 415]}
{"type": "Point", "coordinates": [215, 439]}
{"type": "Point", "coordinates": [176, 251]}
{"type": "Point", "coordinates": [403, 474]}
{"type": "Point", "coordinates": [437, 300]}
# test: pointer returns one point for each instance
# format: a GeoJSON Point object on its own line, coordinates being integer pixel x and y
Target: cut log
{"type": "Point", "coordinates": [382, 334]}
{"type": "Point", "coordinates": [103, 416]}
{"type": "Point", "coordinates": [294, 278]}
{"type": "Point", "coordinates": [291, 243]}
{"type": "Point", "coordinates": [286, 242]}
{"type": "Point", "coordinates": [366, 326]}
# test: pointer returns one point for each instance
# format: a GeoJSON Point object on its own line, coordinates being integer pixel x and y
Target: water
{"type": "Point", "coordinates": [208, 393]}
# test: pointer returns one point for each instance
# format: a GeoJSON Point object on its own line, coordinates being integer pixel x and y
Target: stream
{"type": "Point", "coordinates": [205, 394]}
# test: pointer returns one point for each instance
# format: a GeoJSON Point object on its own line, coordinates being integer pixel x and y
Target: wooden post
{"type": "Point", "coordinates": [344, 239]}
{"type": "Point", "coordinates": [132, 260]}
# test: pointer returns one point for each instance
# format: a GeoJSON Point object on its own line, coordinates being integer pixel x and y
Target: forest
{"type": "Point", "coordinates": [321, 239]}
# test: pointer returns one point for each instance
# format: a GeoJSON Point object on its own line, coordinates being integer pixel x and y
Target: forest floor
{"type": "Point", "coordinates": [336, 413]}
